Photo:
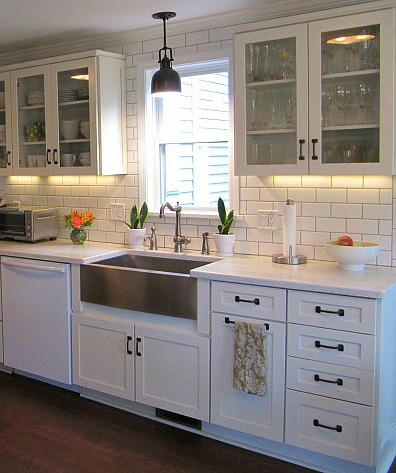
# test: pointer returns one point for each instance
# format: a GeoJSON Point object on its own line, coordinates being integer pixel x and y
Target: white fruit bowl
{"type": "Point", "coordinates": [353, 258]}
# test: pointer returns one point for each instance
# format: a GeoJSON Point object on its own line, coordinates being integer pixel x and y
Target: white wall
{"type": "Point", "coordinates": [327, 206]}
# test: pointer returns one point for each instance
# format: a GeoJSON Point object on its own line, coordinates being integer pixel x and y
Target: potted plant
{"type": "Point", "coordinates": [137, 232]}
{"type": "Point", "coordinates": [224, 240]}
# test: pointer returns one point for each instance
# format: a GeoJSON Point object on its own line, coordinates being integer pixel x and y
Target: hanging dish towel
{"type": "Point", "coordinates": [250, 358]}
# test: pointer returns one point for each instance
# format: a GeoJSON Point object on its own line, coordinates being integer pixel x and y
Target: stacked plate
{"type": "Point", "coordinates": [85, 159]}
{"type": "Point", "coordinates": [35, 98]}
{"type": "Point", "coordinates": [69, 129]}
{"type": "Point", "coordinates": [83, 92]}
{"type": "Point", "coordinates": [67, 95]}
{"type": "Point", "coordinates": [84, 129]}
{"type": "Point", "coordinates": [2, 134]}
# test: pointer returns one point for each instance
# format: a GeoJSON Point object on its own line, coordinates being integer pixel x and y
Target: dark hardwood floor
{"type": "Point", "coordinates": [44, 429]}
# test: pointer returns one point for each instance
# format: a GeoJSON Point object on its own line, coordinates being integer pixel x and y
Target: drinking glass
{"type": "Point", "coordinates": [368, 95]}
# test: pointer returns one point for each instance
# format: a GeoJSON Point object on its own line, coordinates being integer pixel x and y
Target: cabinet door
{"type": "Point", "coordinates": [33, 152]}
{"type": "Point", "coordinates": [351, 94]}
{"type": "Point", "coordinates": [5, 125]}
{"type": "Point", "coordinates": [271, 101]}
{"type": "Point", "coordinates": [257, 415]}
{"type": "Point", "coordinates": [103, 355]}
{"type": "Point", "coordinates": [172, 371]}
{"type": "Point", "coordinates": [1, 343]}
{"type": "Point", "coordinates": [74, 129]}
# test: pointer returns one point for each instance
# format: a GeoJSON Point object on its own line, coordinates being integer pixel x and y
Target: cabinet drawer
{"type": "Point", "coordinates": [329, 426]}
{"type": "Point", "coordinates": [354, 314]}
{"type": "Point", "coordinates": [250, 301]}
{"type": "Point", "coordinates": [333, 346]}
{"type": "Point", "coordinates": [339, 382]}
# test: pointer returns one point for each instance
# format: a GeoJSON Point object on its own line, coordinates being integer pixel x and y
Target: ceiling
{"type": "Point", "coordinates": [26, 24]}
{"type": "Point", "coordinates": [33, 23]}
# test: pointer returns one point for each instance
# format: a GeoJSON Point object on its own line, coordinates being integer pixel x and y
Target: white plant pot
{"type": "Point", "coordinates": [136, 238]}
{"type": "Point", "coordinates": [224, 244]}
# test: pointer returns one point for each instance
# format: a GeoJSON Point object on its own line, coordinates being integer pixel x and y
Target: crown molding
{"type": "Point", "coordinates": [114, 42]}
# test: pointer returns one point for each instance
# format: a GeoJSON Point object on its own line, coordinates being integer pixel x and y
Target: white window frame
{"type": "Point", "coordinates": [149, 190]}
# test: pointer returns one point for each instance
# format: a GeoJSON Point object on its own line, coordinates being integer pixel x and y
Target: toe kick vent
{"type": "Point", "coordinates": [179, 419]}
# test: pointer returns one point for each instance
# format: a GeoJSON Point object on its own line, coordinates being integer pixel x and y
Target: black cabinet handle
{"type": "Point", "coordinates": [54, 154]}
{"type": "Point", "coordinates": [314, 141]}
{"type": "Point", "coordinates": [129, 351]}
{"type": "Point", "coordinates": [138, 353]}
{"type": "Point", "coordinates": [301, 157]}
{"type": "Point", "coordinates": [339, 347]}
{"type": "Point", "coordinates": [337, 428]}
{"type": "Point", "coordinates": [338, 381]}
{"type": "Point", "coordinates": [9, 158]}
{"type": "Point", "coordinates": [339, 312]}
{"type": "Point", "coordinates": [48, 156]}
{"type": "Point", "coordinates": [255, 301]}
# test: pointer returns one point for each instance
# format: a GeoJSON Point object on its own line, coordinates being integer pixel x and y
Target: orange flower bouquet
{"type": "Point", "coordinates": [77, 222]}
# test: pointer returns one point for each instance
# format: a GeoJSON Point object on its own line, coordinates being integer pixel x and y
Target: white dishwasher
{"type": "Point", "coordinates": [36, 317]}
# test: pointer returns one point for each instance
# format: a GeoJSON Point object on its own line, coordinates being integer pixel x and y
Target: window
{"type": "Point", "coordinates": [187, 139]}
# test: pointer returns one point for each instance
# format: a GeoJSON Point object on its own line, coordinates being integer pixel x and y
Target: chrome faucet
{"type": "Point", "coordinates": [178, 239]}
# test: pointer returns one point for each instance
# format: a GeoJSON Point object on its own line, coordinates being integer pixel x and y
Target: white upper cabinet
{"type": "Point", "coordinates": [69, 116]}
{"type": "Point", "coordinates": [307, 101]}
{"type": "Point", "coordinates": [5, 125]}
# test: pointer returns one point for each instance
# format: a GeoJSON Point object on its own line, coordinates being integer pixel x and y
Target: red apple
{"type": "Point", "coordinates": [345, 241]}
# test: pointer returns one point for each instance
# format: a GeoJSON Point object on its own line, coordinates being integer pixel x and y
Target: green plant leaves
{"type": "Point", "coordinates": [226, 220]}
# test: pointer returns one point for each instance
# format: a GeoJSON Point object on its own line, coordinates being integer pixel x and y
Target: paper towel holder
{"type": "Point", "coordinates": [289, 258]}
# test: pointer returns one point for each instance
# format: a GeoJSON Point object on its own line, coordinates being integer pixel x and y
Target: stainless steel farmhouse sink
{"type": "Point", "coordinates": [154, 284]}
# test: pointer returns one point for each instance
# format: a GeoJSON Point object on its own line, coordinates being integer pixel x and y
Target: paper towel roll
{"type": "Point", "coordinates": [289, 228]}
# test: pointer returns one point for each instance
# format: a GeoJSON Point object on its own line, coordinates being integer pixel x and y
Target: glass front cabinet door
{"type": "Point", "coordinates": [321, 106]}
{"type": "Point", "coordinates": [5, 126]}
{"type": "Point", "coordinates": [53, 120]}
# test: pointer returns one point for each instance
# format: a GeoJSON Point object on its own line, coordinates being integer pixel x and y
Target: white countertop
{"type": "Point", "coordinates": [373, 281]}
{"type": "Point", "coordinates": [61, 250]}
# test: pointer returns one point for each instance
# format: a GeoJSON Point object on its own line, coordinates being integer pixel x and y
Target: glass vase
{"type": "Point", "coordinates": [78, 236]}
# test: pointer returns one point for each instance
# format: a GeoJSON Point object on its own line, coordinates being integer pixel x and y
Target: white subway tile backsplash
{"type": "Point", "coordinates": [347, 210]}
{"type": "Point", "coordinates": [362, 226]}
{"type": "Point", "coordinates": [331, 195]}
{"type": "Point", "coordinates": [364, 196]}
{"type": "Point", "coordinates": [327, 206]}
{"type": "Point", "coordinates": [315, 209]}
{"type": "Point", "coordinates": [348, 182]}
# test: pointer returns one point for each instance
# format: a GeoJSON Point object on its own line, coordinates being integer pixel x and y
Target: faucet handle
{"type": "Point", "coordinates": [205, 243]}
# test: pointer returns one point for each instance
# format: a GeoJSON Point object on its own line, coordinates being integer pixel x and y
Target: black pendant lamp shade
{"type": "Point", "coordinates": [165, 80]}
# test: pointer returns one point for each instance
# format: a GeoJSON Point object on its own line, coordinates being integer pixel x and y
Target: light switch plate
{"type": "Point", "coordinates": [267, 219]}
{"type": "Point", "coordinates": [117, 211]}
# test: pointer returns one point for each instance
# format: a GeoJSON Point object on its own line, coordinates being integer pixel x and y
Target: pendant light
{"type": "Point", "coordinates": [166, 80]}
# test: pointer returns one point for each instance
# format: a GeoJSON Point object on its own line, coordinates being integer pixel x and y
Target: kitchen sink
{"type": "Point", "coordinates": [145, 283]}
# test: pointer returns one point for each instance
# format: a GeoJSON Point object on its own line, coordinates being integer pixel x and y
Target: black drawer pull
{"type": "Point", "coordinates": [339, 347]}
{"type": "Point", "coordinates": [339, 312]}
{"type": "Point", "coordinates": [129, 351]}
{"type": "Point", "coordinates": [228, 321]}
{"type": "Point", "coordinates": [255, 301]}
{"type": "Point", "coordinates": [338, 381]}
{"type": "Point", "coordinates": [337, 428]}
{"type": "Point", "coordinates": [138, 353]}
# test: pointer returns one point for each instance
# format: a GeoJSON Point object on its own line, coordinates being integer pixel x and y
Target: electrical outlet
{"type": "Point", "coordinates": [117, 211]}
{"type": "Point", "coordinates": [267, 219]}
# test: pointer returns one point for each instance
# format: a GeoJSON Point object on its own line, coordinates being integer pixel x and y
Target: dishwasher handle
{"type": "Point", "coordinates": [52, 269]}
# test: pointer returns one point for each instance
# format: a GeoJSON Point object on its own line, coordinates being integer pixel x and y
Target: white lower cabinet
{"type": "Point", "coordinates": [166, 369]}
{"type": "Point", "coordinates": [102, 355]}
{"type": "Point", "coordinates": [172, 371]}
{"type": "Point", "coordinates": [330, 375]}
{"type": "Point", "coordinates": [257, 415]}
